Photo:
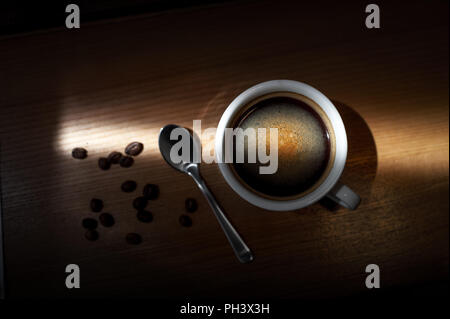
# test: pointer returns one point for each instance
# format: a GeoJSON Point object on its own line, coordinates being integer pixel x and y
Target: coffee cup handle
{"type": "Point", "coordinates": [344, 196]}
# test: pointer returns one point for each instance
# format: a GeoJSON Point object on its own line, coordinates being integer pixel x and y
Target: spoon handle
{"type": "Point", "coordinates": [241, 250]}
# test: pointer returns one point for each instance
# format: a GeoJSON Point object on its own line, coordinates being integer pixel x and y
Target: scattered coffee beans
{"type": "Point", "coordinates": [191, 205]}
{"type": "Point", "coordinates": [96, 205]}
{"type": "Point", "coordinates": [89, 223]}
{"type": "Point", "coordinates": [144, 216]}
{"type": "Point", "coordinates": [134, 239]}
{"type": "Point", "coordinates": [79, 153]}
{"type": "Point", "coordinates": [114, 157]}
{"type": "Point", "coordinates": [106, 219]}
{"type": "Point", "coordinates": [140, 203]}
{"type": "Point", "coordinates": [128, 186]}
{"type": "Point", "coordinates": [103, 163]}
{"type": "Point", "coordinates": [126, 161]}
{"type": "Point", "coordinates": [134, 149]}
{"type": "Point", "coordinates": [185, 221]}
{"type": "Point", "coordinates": [151, 191]}
{"type": "Point", "coordinates": [91, 234]}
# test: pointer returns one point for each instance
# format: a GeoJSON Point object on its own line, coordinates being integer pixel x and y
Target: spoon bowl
{"type": "Point", "coordinates": [166, 143]}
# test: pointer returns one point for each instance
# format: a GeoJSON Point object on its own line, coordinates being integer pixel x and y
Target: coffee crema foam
{"type": "Point", "coordinates": [303, 146]}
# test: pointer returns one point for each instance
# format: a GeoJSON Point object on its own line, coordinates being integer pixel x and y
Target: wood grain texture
{"type": "Point", "coordinates": [107, 84]}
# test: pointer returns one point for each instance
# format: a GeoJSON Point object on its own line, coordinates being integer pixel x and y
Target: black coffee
{"type": "Point", "coordinates": [303, 146]}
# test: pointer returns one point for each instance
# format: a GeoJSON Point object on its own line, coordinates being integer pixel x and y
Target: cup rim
{"type": "Point", "coordinates": [324, 103]}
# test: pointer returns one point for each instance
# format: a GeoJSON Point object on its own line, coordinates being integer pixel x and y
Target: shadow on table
{"type": "Point", "coordinates": [361, 166]}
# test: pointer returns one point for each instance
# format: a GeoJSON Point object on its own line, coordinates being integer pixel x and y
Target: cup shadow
{"type": "Point", "coordinates": [362, 160]}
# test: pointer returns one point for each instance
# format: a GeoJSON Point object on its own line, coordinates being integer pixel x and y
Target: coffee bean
{"type": "Point", "coordinates": [89, 223]}
{"type": "Point", "coordinates": [126, 161]}
{"type": "Point", "coordinates": [96, 205]}
{"type": "Point", "coordinates": [114, 157]}
{"type": "Point", "coordinates": [103, 163]}
{"type": "Point", "coordinates": [185, 221]}
{"type": "Point", "coordinates": [151, 191]}
{"type": "Point", "coordinates": [79, 153]}
{"type": "Point", "coordinates": [133, 239]}
{"type": "Point", "coordinates": [91, 234]}
{"type": "Point", "coordinates": [140, 203]}
{"type": "Point", "coordinates": [191, 205]}
{"type": "Point", "coordinates": [144, 216]}
{"type": "Point", "coordinates": [106, 219]}
{"type": "Point", "coordinates": [128, 186]}
{"type": "Point", "coordinates": [134, 148]}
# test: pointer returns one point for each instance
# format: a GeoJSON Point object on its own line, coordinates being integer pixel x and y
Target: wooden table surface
{"type": "Point", "coordinates": [110, 83]}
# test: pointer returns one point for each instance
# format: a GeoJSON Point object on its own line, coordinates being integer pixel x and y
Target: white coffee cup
{"type": "Point", "coordinates": [329, 185]}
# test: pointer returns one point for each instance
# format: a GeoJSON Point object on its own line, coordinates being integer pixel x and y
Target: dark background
{"type": "Point", "coordinates": [25, 16]}
{"type": "Point", "coordinates": [416, 33]}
